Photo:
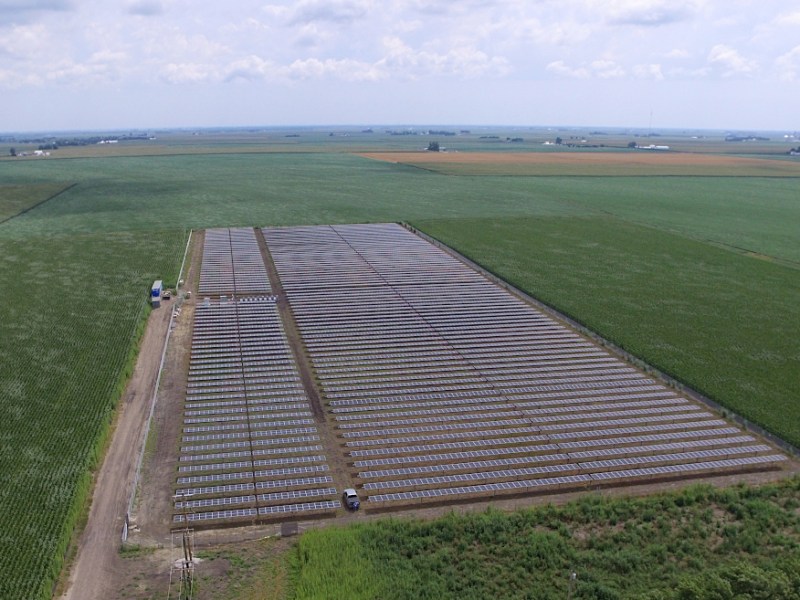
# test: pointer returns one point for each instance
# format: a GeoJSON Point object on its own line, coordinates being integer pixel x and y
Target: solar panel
{"type": "Point", "coordinates": [440, 383]}
{"type": "Point", "coordinates": [485, 489]}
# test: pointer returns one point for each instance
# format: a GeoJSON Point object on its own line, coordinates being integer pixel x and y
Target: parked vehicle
{"type": "Point", "coordinates": [350, 499]}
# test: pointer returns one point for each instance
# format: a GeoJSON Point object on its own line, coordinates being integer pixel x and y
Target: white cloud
{"type": "Point", "coordinates": [276, 11]}
{"type": "Point", "coordinates": [789, 19]}
{"type": "Point", "coordinates": [340, 12]}
{"type": "Point", "coordinates": [560, 68]}
{"type": "Point", "coordinates": [648, 71]}
{"type": "Point", "coordinates": [15, 79]}
{"type": "Point", "coordinates": [345, 70]}
{"type": "Point", "coordinates": [730, 61]}
{"type": "Point", "coordinates": [441, 45]}
{"type": "Point", "coordinates": [677, 53]}
{"type": "Point", "coordinates": [649, 13]}
{"type": "Point", "coordinates": [180, 73]}
{"type": "Point", "coordinates": [177, 47]}
{"type": "Point", "coordinates": [788, 65]}
{"type": "Point", "coordinates": [448, 7]}
{"type": "Point", "coordinates": [22, 41]}
{"type": "Point", "coordinates": [249, 68]}
{"type": "Point", "coordinates": [600, 69]}
{"type": "Point", "coordinates": [461, 61]}
{"type": "Point", "coordinates": [556, 33]}
{"type": "Point", "coordinates": [607, 69]}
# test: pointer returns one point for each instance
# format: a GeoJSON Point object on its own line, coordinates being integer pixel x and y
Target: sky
{"type": "Point", "coordinates": [148, 64]}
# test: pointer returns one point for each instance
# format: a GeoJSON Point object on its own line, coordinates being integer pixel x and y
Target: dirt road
{"type": "Point", "coordinates": [97, 562]}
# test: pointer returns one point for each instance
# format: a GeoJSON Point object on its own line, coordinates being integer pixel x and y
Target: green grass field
{"type": "Point", "coordinates": [15, 199]}
{"type": "Point", "coordinates": [661, 265]}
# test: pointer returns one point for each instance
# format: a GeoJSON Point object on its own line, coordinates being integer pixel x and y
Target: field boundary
{"type": "Point", "coordinates": [38, 204]}
{"type": "Point", "coordinates": [154, 399]}
{"type": "Point", "coordinates": [640, 163]}
{"type": "Point", "coordinates": [634, 360]}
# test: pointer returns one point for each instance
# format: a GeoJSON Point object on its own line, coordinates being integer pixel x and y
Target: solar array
{"type": "Point", "coordinates": [249, 448]}
{"type": "Point", "coordinates": [443, 385]}
{"type": "Point", "coordinates": [232, 264]}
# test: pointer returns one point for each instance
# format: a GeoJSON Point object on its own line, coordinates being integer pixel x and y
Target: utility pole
{"type": "Point", "coordinates": [186, 588]}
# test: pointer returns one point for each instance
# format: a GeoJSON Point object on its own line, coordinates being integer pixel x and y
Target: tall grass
{"type": "Point", "coordinates": [336, 563]}
{"type": "Point", "coordinates": [699, 543]}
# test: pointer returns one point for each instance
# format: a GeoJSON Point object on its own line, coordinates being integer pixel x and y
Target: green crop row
{"type": "Point", "coordinates": [73, 308]}
{"type": "Point", "coordinates": [135, 193]}
{"type": "Point", "coordinates": [15, 199]}
{"type": "Point", "coordinates": [701, 543]}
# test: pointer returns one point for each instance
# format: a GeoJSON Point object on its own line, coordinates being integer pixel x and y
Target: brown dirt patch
{"type": "Point", "coordinates": [642, 162]}
{"type": "Point", "coordinates": [152, 514]}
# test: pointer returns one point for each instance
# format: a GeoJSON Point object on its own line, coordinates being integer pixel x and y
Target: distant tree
{"type": "Point", "coordinates": [13, 152]}
{"type": "Point", "coordinates": [631, 144]}
{"type": "Point", "coordinates": [433, 146]}
{"type": "Point", "coordinates": [559, 141]}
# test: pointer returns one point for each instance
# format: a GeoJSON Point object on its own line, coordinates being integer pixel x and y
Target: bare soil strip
{"type": "Point", "coordinates": [292, 334]}
{"type": "Point", "coordinates": [152, 514]}
{"type": "Point", "coordinates": [643, 162]}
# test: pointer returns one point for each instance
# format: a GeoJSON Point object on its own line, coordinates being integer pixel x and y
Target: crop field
{"type": "Point", "coordinates": [72, 308]}
{"type": "Point", "coordinates": [719, 250]}
{"type": "Point", "coordinates": [700, 543]}
{"type": "Point", "coordinates": [630, 163]}
{"type": "Point", "coordinates": [15, 199]}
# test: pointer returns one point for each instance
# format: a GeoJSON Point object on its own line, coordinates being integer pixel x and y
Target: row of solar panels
{"type": "Point", "coordinates": [232, 263]}
{"type": "Point", "coordinates": [249, 440]}
{"type": "Point", "coordinates": [417, 354]}
{"type": "Point", "coordinates": [440, 452]}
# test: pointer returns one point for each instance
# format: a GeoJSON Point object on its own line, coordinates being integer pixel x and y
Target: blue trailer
{"type": "Point", "coordinates": [155, 293]}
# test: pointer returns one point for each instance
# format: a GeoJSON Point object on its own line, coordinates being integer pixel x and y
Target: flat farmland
{"type": "Point", "coordinates": [562, 239]}
{"type": "Point", "coordinates": [15, 199]}
{"type": "Point", "coordinates": [72, 312]}
{"type": "Point", "coordinates": [629, 163]}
